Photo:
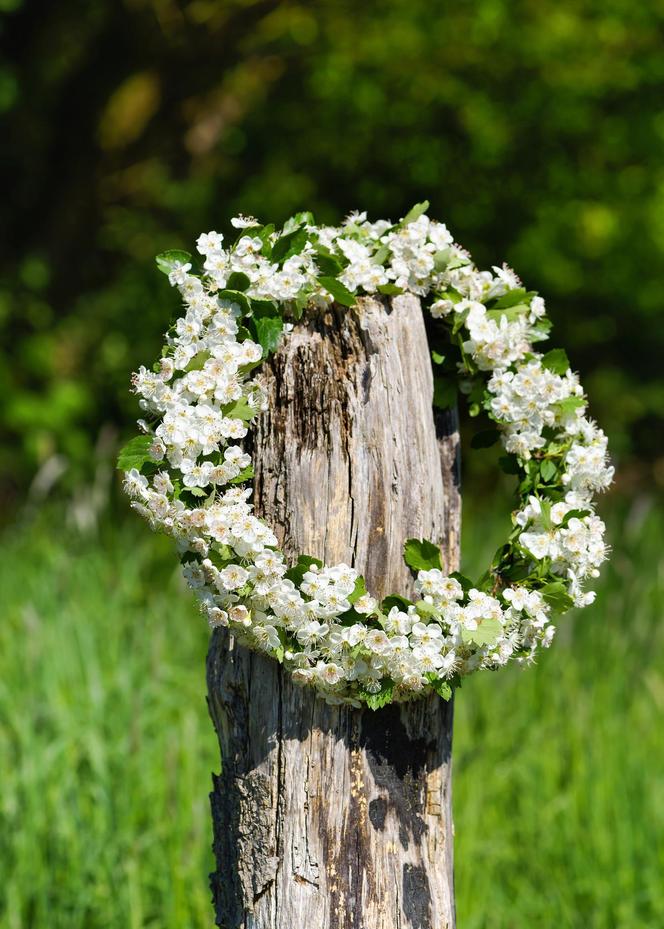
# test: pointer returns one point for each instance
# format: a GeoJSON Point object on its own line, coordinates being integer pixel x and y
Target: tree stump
{"type": "Point", "coordinates": [330, 817]}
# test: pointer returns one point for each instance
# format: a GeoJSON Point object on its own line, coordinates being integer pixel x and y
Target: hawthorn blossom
{"type": "Point", "coordinates": [201, 398]}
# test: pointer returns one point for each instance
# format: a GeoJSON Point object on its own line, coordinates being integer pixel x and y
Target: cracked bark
{"type": "Point", "coordinates": [331, 817]}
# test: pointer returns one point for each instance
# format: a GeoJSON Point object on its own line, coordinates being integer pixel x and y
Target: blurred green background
{"type": "Point", "coordinates": [536, 130]}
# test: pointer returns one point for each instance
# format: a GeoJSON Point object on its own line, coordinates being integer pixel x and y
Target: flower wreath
{"type": "Point", "coordinates": [187, 473]}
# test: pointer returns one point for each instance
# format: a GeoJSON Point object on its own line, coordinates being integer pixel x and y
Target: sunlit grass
{"type": "Point", "coordinates": [106, 748]}
{"type": "Point", "coordinates": [559, 787]}
{"type": "Point", "coordinates": [105, 739]}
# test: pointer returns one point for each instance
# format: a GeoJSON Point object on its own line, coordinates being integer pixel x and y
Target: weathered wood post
{"type": "Point", "coordinates": [331, 817]}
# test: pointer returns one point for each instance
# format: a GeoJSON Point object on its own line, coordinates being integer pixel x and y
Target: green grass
{"type": "Point", "coordinates": [559, 769]}
{"type": "Point", "coordinates": [106, 748]}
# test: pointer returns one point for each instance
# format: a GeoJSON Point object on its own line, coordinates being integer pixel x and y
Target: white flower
{"type": "Point", "coordinates": [377, 641]}
{"type": "Point", "coordinates": [197, 405]}
{"type": "Point", "coordinates": [329, 673]}
{"type": "Point", "coordinates": [240, 614]}
{"type": "Point", "coordinates": [233, 576]}
{"type": "Point", "coordinates": [243, 222]}
{"type": "Point", "coordinates": [209, 242]}
{"type": "Point", "coordinates": [428, 636]}
{"type": "Point", "coordinates": [267, 637]}
{"type": "Point", "coordinates": [540, 544]}
{"type": "Point", "coordinates": [310, 632]}
{"type": "Point", "coordinates": [353, 635]}
{"type": "Point", "coordinates": [217, 617]}
{"type": "Point", "coordinates": [399, 623]}
{"type": "Point", "coordinates": [440, 308]}
{"type": "Point", "coordinates": [162, 483]}
{"type": "Point", "coordinates": [517, 597]}
{"type": "Point", "coordinates": [366, 604]}
{"type": "Point", "coordinates": [537, 308]}
{"type": "Point", "coordinates": [135, 484]}
{"type": "Point", "coordinates": [178, 275]}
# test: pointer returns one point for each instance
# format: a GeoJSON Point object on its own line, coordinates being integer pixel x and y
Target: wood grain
{"type": "Point", "coordinates": [332, 817]}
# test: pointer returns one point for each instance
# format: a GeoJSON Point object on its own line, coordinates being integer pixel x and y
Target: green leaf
{"type": "Point", "coordinates": [510, 312]}
{"type": "Point", "coordinates": [236, 296]}
{"type": "Point", "coordinates": [135, 453]}
{"type": "Point", "coordinates": [198, 361]}
{"type": "Point", "coordinates": [350, 617]}
{"type": "Point", "coordinates": [340, 293]}
{"type": "Point", "coordinates": [548, 469]}
{"type": "Point", "coordinates": [465, 582]}
{"type": "Point", "coordinates": [300, 219]}
{"type": "Point", "coordinates": [556, 360]}
{"type": "Point", "coordinates": [415, 213]}
{"type": "Point", "coordinates": [243, 334]}
{"type": "Point", "coordinates": [268, 332]}
{"type": "Point", "coordinates": [512, 297]}
{"type": "Point", "coordinates": [220, 555]}
{"type": "Point", "coordinates": [168, 261]}
{"type": "Point", "coordinates": [541, 329]}
{"type": "Point", "coordinates": [437, 358]}
{"type": "Point", "coordinates": [264, 308]}
{"type": "Point", "coordinates": [485, 439]}
{"type": "Point", "coordinates": [426, 609]}
{"type": "Point", "coordinates": [422, 555]}
{"type": "Point", "coordinates": [444, 392]}
{"type": "Point", "coordinates": [381, 254]}
{"type": "Point", "coordinates": [555, 594]}
{"type": "Point", "coordinates": [239, 409]}
{"type": "Point", "coordinates": [442, 687]}
{"type": "Point", "coordinates": [300, 568]}
{"type": "Point", "coordinates": [487, 632]}
{"type": "Point", "coordinates": [196, 491]}
{"type": "Point", "coordinates": [264, 235]}
{"type": "Point", "coordinates": [308, 560]}
{"type": "Point", "coordinates": [359, 590]}
{"type": "Point", "coordinates": [237, 280]}
{"type": "Point", "coordinates": [573, 514]}
{"type": "Point", "coordinates": [390, 290]}
{"type": "Point", "coordinates": [245, 475]}
{"type": "Point", "coordinates": [517, 571]}
{"type": "Point", "coordinates": [383, 697]}
{"type": "Point", "coordinates": [291, 243]}
{"type": "Point", "coordinates": [328, 264]}
{"type": "Point", "coordinates": [570, 405]}
{"type": "Point", "coordinates": [300, 303]}
{"type": "Point", "coordinates": [458, 261]}
{"type": "Point", "coordinates": [392, 600]}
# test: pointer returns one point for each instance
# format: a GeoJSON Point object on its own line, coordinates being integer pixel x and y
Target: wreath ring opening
{"type": "Point", "coordinates": [187, 473]}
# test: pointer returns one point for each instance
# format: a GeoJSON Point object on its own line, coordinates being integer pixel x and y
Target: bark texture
{"type": "Point", "coordinates": [330, 817]}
